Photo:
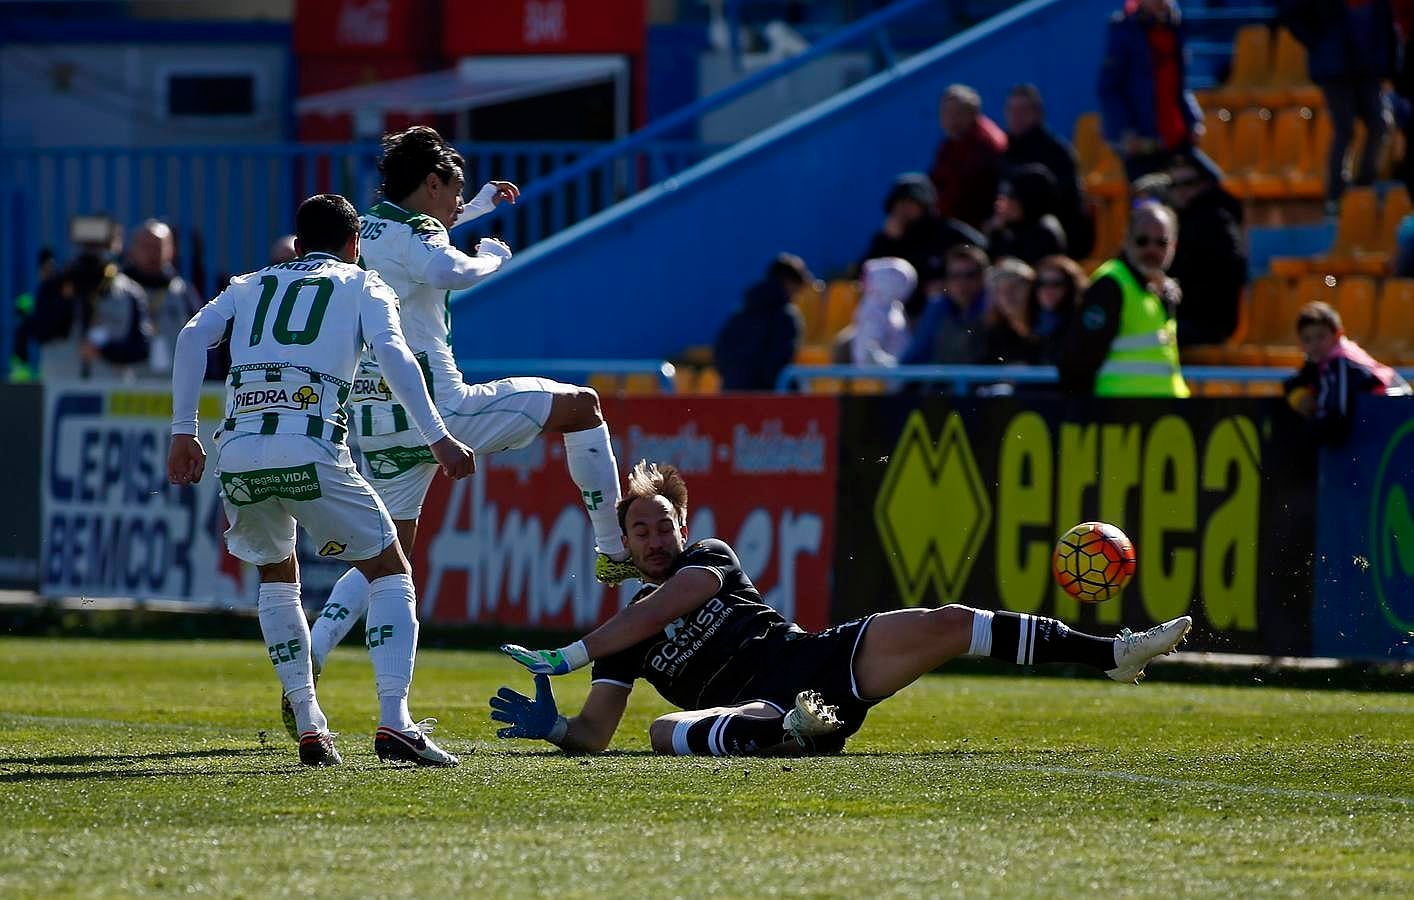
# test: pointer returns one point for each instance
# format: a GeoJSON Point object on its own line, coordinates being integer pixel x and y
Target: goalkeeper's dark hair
{"type": "Point", "coordinates": [324, 223]}
{"type": "Point", "coordinates": [409, 156]}
{"type": "Point", "coordinates": [651, 480]}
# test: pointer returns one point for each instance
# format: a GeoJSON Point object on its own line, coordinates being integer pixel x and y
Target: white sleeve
{"type": "Point", "coordinates": [449, 269]}
{"type": "Point", "coordinates": [203, 330]}
{"type": "Point", "coordinates": [480, 205]}
{"type": "Point", "coordinates": [382, 329]}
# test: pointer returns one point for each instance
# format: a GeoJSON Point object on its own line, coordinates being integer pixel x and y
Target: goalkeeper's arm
{"type": "Point", "coordinates": [540, 719]}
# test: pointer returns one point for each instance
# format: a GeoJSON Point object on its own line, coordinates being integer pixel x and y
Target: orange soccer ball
{"type": "Point", "coordinates": [1093, 561]}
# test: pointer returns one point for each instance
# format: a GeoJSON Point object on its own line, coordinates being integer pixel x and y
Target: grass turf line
{"type": "Point", "coordinates": [134, 768]}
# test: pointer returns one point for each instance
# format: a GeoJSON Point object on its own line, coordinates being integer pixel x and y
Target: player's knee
{"type": "Point", "coordinates": [950, 619]}
{"type": "Point", "coordinates": [575, 410]}
{"type": "Point", "coordinates": [390, 562]}
{"type": "Point", "coordinates": [660, 735]}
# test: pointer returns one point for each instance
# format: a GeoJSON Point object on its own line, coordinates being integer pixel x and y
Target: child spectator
{"type": "Point", "coordinates": [880, 324]}
{"type": "Point", "coordinates": [1336, 370]}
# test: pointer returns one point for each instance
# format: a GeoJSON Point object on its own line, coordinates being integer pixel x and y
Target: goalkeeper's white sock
{"type": "Point", "coordinates": [591, 462]}
{"type": "Point", "coordinates": [391, 637]}
{"type": "Point", "coordinates": [347, 603]}
{"type": "Point", "coordinates": [286, 636]}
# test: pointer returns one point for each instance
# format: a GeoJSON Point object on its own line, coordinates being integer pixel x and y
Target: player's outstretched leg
{"type": "Point", "coordinates": [286, 634]}
{"type": "Point", "coordinates": [347, 603]}
{"type": "Point", "coordinates": [589, 455]}
{"type": "Point", "coordinates": [391, 637]}
{"type": "Point", "coordinates": [899, 647]}
{"type": "Point", "coordinates": [753, 729]}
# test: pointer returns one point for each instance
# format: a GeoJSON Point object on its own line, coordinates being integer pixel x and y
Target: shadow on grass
{"type": "Point", "coordinates": [93, 759]}
{"type": "Point", "coordinates": [124, 759]}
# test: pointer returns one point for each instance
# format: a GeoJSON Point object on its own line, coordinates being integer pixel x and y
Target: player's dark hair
{"type": "Point", "coordinates": [650, 480]}
{"type": "Point", "coordinates": [409, 156]}
{"type": "Point", "coordinates": [1318, 313]}
{"type": "Point", "coordinates": [324, 223]}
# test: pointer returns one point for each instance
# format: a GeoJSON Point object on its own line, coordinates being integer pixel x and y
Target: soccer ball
{"type": "Point", "coordinates": [1093, 562]}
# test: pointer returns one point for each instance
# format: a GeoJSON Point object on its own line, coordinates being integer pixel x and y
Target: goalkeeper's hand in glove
{"type": "Point", "coordinates": [549, 662]}
{"type": "Point", "coordinates": [537, 719]}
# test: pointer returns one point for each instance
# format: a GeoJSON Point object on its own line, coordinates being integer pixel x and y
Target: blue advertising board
{"type": "Point", "coordinates": [1364, 592]}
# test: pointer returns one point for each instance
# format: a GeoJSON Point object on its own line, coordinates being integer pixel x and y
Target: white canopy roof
{"type": "Point", "coordinates": [475, 82]}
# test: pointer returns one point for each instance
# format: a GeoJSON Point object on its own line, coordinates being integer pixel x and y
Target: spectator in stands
{"type": "Point", "coordinates": [92, 322]}
{"type": "Point", "coordinates": [1210, 263]}
{"type": "Point", "coordinates": [761, 337]}
{"type": "Point", "coordinates": [1010, 338]}
{"type": "Point", "coordinates": [950, 329]}
{"type": "Point", "coordinates": [1060, 283]}
{"type": "Point", "coordinates": [1152, 188]}
{"type": "Point", "coordinates": [1123, 341]}
{"type": "Point", "coordinates": [1335, 372]}
{"type": "Point", "coordinates": [283, 250]}
{"type": "Point", "coordinates": [968, 164]}
{"type": "Point", "coordinates": [1028, 140]}
{"type": "Point", "coordinates": [1148, 114]}
{"type": "Point", "coordinates": [1024, 225]}
{"type": "Point", "coordinates": [880, 333]}
{"type": "Point", "coordinates": [21, 365]}
{"type": "Point", "coordinates": [171, 301]}
{"type": "Point", "coordinates": [914, 231]}
{"type": "Point", "coordinates": [1350, 50]}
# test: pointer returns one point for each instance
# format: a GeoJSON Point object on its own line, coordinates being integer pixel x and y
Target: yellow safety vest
{"type": "Point", "coordinates": [1143, 358]}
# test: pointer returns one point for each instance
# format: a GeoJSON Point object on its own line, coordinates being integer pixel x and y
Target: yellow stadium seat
{"type": "Point", "coordinates": [833, 386]}
{"type": "Point", "coordinates": [1216, 387]}
{"type": "Point", "coordinates": [1251, 66]}
{"type": "Point", "coordinates": [1251, 148]}
{"type": "Point", "coordinates": [605, 385]}
{"type": "Point", "coordinates": [1355, 301]}
{"type": "Point", "coordinates": [1284, 357]}
{"type": "Point", "coordinates": [642, 384]}
{"type": "Point", "coordinates": [813, 355]}
{"type": "Point", "coordinates": [1217, 138]}
{"type": "Point", "coordinates": [1392, 211]}
{"type": "Point", "coordinates": [1266, 309]}
{"type": "Point", "coordinates": [1355, 248]}
{"type": "Point", "coordinates": [1289, 171]}
{"type": "Point", "coordinates": [1290, 84]}
{"type": "Point", "coordinates": [697, 355]}
{"type": "Point", "coordinates": [840, 299]}
{"type": "Point", "coordinates": [685, 380]}
{"type": "Point", "coordinates": [868, 387]}
{"type": "Point", "coordinates": [811, 304]}
{"type": "Point", "coordinates": [709, 381]}
{"type": "Point", "coordinates": [1088, 141]}
{"type": "Point", "coordinates": [1264, 389]}
{"type": "Point", "coordinates": [1394, 317]}
{"type": "Point", "coordinates": [1096, 161]}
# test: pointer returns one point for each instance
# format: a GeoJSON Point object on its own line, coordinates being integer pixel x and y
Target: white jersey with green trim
{"type": "Point", "coordinates": [296, 330]}
{"type": "Point", "coordinates": [414, 255]}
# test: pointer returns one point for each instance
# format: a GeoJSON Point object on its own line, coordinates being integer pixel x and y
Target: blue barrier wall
{"type": "Point", "coordinates": [664, 269]}
{"type": "Point", "coordinates": [1364, 592]}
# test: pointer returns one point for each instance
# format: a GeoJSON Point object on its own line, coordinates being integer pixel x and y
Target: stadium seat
{"type": "Point", "coordinates": [1217, 138]}
{"type": "Point", "coordinates": [811, 304]}
{"type": "Point", "coordinates": [1395, 207]}
{"type": "Point", "coordinates": [1290, 84]}
{"type": "Point", "coordinates": [642, 384]}
{"type": "Point", "coordinates": [685, 380]}
{"type": "Point", "coordinates": [1264, 389]}
{"type": "Point", "coordinates": [1289, 357]}
{"type": "Point", "coordinates": [1251, 67]}
{"type": "Point", "coordinates": [605, 385]}
{"type": "Point", "coordinates": [1289, 170]}
{"type": "Point", "coordinates": [697, 355]}
{"type": "Point", "coordinates": [1217, 387]}
{"type": "Point", "coordinates": [868, 387]}
{"type": "Point", "coordinates": [813, 355]}
{"type": "Point", "coordinates": [1394, 318]}
{"type": "Point", "coordinates": [1355, 301]}
{"type": "Point", "coordinates": [840, 299]}
{"type": "Point", "coordinates": [832, 386]}
{"type": "Point", "coordinates": [1353, 252]}
{"type": "Point", "coordinates": [1251, 150]}
{"type": "Point", "coordinates": [1266, 307]}
{"type": "Point", "coordinates": [1097, 162]}
{"type": "Point", "coordinates": [709, 381]}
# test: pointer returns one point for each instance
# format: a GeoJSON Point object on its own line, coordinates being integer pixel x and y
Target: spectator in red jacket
{"type": "Point", "coordinates": [968, 165]}
{"type": "Point", "coordinates": [1336, 370]}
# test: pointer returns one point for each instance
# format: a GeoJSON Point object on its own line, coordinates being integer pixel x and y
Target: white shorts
{"type": "Point", "coordinates": [499, 415]}
{"type": "Point", "coordinates": [270, 482]}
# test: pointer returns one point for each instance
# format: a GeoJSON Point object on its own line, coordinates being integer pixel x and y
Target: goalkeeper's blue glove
{"type": "Point", "coordinates": [537, 719]}
{"type": "Point", "coordinates": [549, 662]}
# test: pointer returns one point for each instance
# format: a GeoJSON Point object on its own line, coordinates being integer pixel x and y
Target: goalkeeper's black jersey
{"type": "Point", "coordinates": [704, 658]}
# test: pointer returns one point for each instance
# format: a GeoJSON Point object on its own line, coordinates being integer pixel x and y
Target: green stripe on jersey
{"type": "Point", "coordinates": [269, 423]}
{"type": "Point", "coordinates": [400, 418]}
{"type": "Point", "coordinates": [367, 429]}
{"type": "Point", "coordinates": [419, 223]}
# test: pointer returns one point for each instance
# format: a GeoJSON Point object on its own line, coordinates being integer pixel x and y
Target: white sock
{"type": "Point", "coordinates": [347, 603]}
{"type": "Point", "coordinates": [981, 633]}
{"type": "Point", "coordinates": [391, 637]}
{"type": "Point", "coordinates": [286, 636]}
{"type": "Point", "coordinates": [590, 458]}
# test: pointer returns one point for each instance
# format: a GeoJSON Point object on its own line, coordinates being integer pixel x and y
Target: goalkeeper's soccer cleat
{"type": "Point", "coordinates": [1134, 651]}
{"type": "Point", "coordinates": [316, 748]}
{"type": "Point", "coordinates": [287, 710]}
{"type": "Point", "coordinates": [614, 571]}
{"type": "Point", "coordinates": [413, 746]}
{"type": "Point", "coordinates": [811, 717]}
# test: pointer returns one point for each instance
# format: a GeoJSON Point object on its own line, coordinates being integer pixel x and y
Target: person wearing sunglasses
{"type": "Point", "coordinates": [1210, 264]}
{"type": "Point", "coordinates": [1123, 341]}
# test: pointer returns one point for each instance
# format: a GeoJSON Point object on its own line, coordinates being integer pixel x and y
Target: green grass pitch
{"type": "Point", "coordinates": [141, 768]}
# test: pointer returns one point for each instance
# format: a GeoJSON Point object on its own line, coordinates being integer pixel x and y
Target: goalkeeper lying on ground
{"type": "Point", "coordinates": [752, 683]}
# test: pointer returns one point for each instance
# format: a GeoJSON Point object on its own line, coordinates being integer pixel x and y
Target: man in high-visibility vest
{"type": "Point", "coordinates": [1123, 341]}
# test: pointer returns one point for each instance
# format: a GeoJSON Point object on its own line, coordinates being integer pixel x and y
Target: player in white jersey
{"type": "Point", "coordinates": [405, 240]}
{"type": "Point", "coordinates": [296, 330]}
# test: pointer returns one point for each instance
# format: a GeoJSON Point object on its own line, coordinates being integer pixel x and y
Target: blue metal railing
{"type": "Point", "coordinates": [964, 378]}
{"type": "Point", "coordinates": [577, 369]}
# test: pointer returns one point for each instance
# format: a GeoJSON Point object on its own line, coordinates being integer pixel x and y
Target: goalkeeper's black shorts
{"type": "Point", "coordinates": [820, 661]}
